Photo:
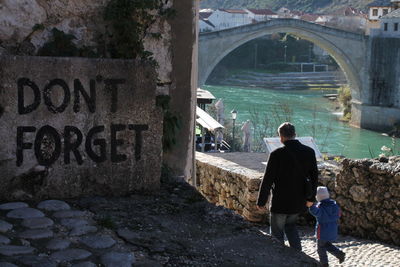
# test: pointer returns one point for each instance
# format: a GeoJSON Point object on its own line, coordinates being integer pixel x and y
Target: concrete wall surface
{"type": "Point", "coordinates": [374, 117]}
{"type": "Point", "coordinates": [76, 126]}
{"type": "Point", "coordinates": [183, 88]}
{"type": "Point", "coordinates": [175, 52]}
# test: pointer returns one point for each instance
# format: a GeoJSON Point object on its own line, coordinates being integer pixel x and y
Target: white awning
{"type": "Point", "coordinates": [205, 120]}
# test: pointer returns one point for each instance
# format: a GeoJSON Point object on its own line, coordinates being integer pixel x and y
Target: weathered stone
{"type": "Point", "coordinates": [69, 214]}
{"type": "Point", "coordinates": [37, 261]}
{"type": "Point", "coordinates": [382, 234]}
{"type": "Point", "coordinates": [7, 250]}
{"type": "Point", "coordinates": [127, 234]}
{"type": "Point", "coordinates": [251, 216]}
{"type": "Point", "coordinates": [359, 193]}
{"type": "Point", "coordinates": [5, 226]}
{"type": "Point", "coordinates": [98, 241]}
{"type": "Point", "coordinates": [25, 213]}
{"type": "Point", "coordinates": [7, 264]}
{"type": "Point", "coordinates": [129, 175]}
{"type": "Point", "coordinates": [36, 234]}
{"type": "Point", "coordinates": [70, 255]}
{"type": "Point", "coordinates": [82, 230]}
{"type": "Point", "coordinates": [18, 18]}
{"type": "Point", "coordinates": [4, 240]}
{"type": "Point", "coordinates": [53, 205]}
{"type": "Point", "coordinates": [85, 264]}
{"type": "Point", "coordinates": [37, 223]}
{"type": "Point", "coordinates": [13, 206]}
{"type": "Point", "coordinates": [119, 259]}
{"type": "Point", "coordinates": [73, 222]}
{"type": "Point", "coordinates": [58, 244]}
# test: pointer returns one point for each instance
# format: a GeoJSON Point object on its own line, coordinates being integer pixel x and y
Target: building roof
{"type": "Point", "coordinates": [309, 17]}
{"type": "Point", "coordinates": [380, 3]}
{"type": "Point", "coordinates": [207, 22]}
{"type": "Point", "coordinates": [391, 15]}
{"type": "Point", "coordinates": [261, 11]}
{"type": "Point", "coordinates": [234, 11]}
{"type": "Point", "coordinates": [203, 95]}
{"type": "Point", "coordinates": [348, 11]}
{"type": "Point", "coordinates": [204, 15]}
{"type": "Point", "coordinates": [205, 120]}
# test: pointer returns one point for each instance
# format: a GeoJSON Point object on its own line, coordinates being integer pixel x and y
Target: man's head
{"type": "Point", "coordinates": [286, 131]}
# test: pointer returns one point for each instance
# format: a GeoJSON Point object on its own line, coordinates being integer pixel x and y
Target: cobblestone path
{"type": "Point", "coordinates": [359, 252]}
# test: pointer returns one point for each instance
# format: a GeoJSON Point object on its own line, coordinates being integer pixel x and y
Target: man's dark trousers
{"type": "Point", "coordinates": [286, 224]}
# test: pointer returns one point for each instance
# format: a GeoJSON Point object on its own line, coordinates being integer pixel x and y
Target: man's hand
{"type": "Point", "coordinates": [262, 208]}
{"type": "Point", "coordinates": [309, 204]}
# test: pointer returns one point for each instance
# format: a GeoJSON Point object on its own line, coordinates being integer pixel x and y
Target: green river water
{"type": "Point", "coordinates": [312, 114]}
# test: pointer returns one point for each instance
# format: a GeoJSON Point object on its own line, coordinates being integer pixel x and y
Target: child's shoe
{"type": "Point", "coordinates": [341, 257]}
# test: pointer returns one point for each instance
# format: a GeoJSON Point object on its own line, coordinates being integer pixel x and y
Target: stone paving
{"type": "Point", "coordinates": [53, 234]}
{"type": "Point", "coordinates": [174, 227]}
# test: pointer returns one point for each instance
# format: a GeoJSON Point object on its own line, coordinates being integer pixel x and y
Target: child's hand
{"type": "Point", "coordinates": [309, 204]}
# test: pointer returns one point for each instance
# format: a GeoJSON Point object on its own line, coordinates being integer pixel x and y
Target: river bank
{"type": "Point", "coordinates": [283, 81]}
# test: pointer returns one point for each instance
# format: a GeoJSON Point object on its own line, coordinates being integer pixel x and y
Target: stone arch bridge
{"type": "Point", "coordinates": [350, 50]}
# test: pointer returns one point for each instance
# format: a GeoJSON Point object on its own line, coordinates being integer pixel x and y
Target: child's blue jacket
{"type": "Point", "coordinates": [327, 213]}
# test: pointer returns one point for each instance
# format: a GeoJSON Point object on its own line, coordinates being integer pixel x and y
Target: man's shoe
{"type": "Point", "coordinates": [324, 265]}
{"type": "Point", "coordinates": [341, 257]}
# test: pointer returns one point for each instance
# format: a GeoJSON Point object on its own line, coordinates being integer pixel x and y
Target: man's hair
{"type": "Point", "coordinates": [287, 130]}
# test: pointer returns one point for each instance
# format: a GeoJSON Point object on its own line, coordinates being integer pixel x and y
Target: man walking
{"type": "Point", "coordinates": [285, 174]}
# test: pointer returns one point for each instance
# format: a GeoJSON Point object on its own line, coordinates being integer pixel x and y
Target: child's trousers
{"type": "Point", "coordinates": [323, 247]}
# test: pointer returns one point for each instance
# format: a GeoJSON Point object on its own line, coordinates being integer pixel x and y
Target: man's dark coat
{"type": "Point", "coordinates": [285, 177]}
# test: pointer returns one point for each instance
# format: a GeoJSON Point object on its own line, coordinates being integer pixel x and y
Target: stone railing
{"type": "Point", "coordinates": [230, 185]}
{"type": "Point", "coordinates": [368, 192]}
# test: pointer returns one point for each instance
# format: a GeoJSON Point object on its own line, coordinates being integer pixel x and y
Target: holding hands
{"type": "Point", "coordinates": [309, 204]}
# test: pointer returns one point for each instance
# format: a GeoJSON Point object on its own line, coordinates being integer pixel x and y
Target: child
{"type": "Point", "coordinates": [327, 213]}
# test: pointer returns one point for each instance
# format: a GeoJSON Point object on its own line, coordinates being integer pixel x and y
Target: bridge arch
{"type": "Point", "coordinates": [348, 49]}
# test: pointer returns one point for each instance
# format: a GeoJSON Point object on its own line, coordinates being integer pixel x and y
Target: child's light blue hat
{"type": "Point", "coordinates": [322, 193]}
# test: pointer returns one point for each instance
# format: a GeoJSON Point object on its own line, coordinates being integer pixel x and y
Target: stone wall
{"type": "Point", "coordinates": [368, 192]}
{"type": "Point", "coordinates": [228, 184]}
{"type": "Point", "coordinates": [25, 26]}
{"type": "Point", "coordinates": [78, 126]}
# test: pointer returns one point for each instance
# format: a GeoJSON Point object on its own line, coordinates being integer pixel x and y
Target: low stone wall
{"type": "Point", "coordinates": [368, 192]}
{"type": "Point", "coordinates": [229, 184]}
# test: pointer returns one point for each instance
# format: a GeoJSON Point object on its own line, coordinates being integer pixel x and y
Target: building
{"type": "Point", "coordinates": [389, 25]}
{"type": "Point", "coordinates": [229, 18]}
{"type": "Point", "coordinates": [257, 15]}
{"type": "Point", "coordinates": [379, 8]}
{"type": "Point", "coordinates": [204, 24]}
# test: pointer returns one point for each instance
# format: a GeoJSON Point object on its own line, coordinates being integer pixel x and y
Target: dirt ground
{"type": "Point", "coordinates": [178, 227]}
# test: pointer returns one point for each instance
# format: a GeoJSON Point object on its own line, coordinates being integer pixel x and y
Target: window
{"type": "Point", "coordinates": [385, 11]}
{"type": "Point", "coordinates": [374, 12]}
{"type": "Point", "coordinates": [396, 27]}
{"type": "Point", "coordinates": [385, 27]}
